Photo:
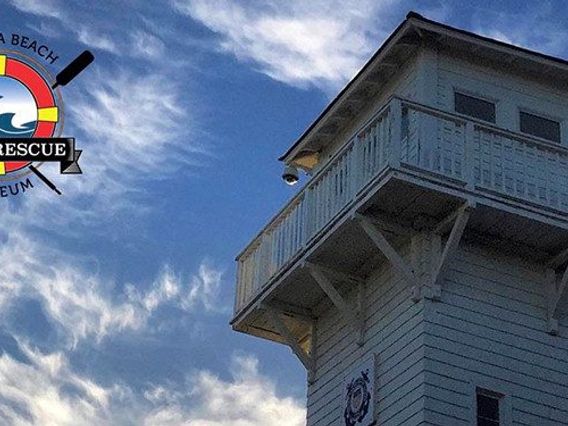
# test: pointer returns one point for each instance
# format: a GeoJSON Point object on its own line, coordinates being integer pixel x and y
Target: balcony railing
{"type": "Point", "coordinates": [406, 135]}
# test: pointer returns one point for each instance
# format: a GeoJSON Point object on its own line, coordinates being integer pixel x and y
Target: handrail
{"type": "Point", "coordinates": [456, 153]}
{"type": "Point", "coordinates": [330, 163]}
{"type": "Point", "coordinates": [462, 119]}
{"type": "Point", "coordinates": [523, 137]}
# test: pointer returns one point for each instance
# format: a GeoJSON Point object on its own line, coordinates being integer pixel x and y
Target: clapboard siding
{"type": "Point", "coordinates": [325, 388]}
{"type": "Point", "coordinates": [489, 330]}
{"type": "Point", "coordinates": [394, 333]}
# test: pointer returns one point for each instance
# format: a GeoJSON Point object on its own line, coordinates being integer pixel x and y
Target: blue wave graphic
{"type": "Point", "coordinates": [8, 130]}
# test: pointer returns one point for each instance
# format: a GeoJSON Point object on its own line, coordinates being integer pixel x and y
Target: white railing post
{"type": "Point", "coordinates": [356, 165]}
{"type": "Point", "coordinates": [469, 152]}
{"type": "Point", "coordinates": [395, 132]}
{"type": "Point", "coordinates": [265, 254]}
{"type": "Point", "coordinates": [239, 289]}
{"type": "Point", "coordinates": [309, 215]}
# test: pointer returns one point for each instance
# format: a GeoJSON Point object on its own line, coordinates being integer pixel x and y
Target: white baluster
{"type": "Point", "coordinates": [395, 132]}
{"type": "Point", "coordinates": [469, 160]}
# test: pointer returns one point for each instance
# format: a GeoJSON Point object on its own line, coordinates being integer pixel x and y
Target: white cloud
{"type": "Point", "coordinates": [204, 290]}
{"type": "Point", "coordinates": [248, 399]}
{"type": "Point", "coordinates": [538, 30]}
{"type": "Point", "coordinates": [147, 45]}
{"type": "Point", "coordinates": [201, 292]}
{"type": "Point", "coordinates": [46, 390]}
{"type": "Point", "coordinates": [86, 26]}
{"type": "Point", "coordinates": [495, 34]}
{"type": "Point", "coordinates": [82, 304]}
{"type": "Point", "coordinates": [97, 41]}
{"type": "Point", "coordinates": [135, 128]}
{"type": "Point", "coordinates": [134, 122]}
{"type": "Point", "coordinates": [47, 8]}
{"type": "Point", "coordinates": [299, 43]}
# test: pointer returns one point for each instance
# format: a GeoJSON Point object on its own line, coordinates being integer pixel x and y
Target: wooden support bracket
{"type": "Point", "coordinates": [335, 274]}
{"type": "Point", "coordinates": [396, 260]}
{"type": "Point", "coordinates": [558, 260]}
{"type": "Point", "coordinates": [306, 359]}
{"type": "Point", "coordinates": [352, 314]}
{"type": "Point", "coordinates": [298, 312]}
{"type": "Point", "coordinates": [441, 259]}
{"type": "Point", "coordinates": [387, 223]}
{"type": "Point", "coordinates": [555, 289]}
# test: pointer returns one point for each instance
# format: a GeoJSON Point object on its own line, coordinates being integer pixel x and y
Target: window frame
{"type": "Point", "coordinates": [545, 116]}
{"type": "Point", "coordinates": [475, 95]}
{"type": "Point", "coordinates": [492, 395]}
{"type": "Point", "coordinates": [491, 388]}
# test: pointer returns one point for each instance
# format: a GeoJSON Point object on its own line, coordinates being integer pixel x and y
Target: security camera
{"type": "Point", "coordinates": [290, 175]}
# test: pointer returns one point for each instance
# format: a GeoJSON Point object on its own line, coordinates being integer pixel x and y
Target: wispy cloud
{"type": "Point", "coordinates": [47, 8]}
{"type": "Point", "coordinates": [134, 117]}
{"type": "Point", "coordinates": [146, 126]}
{"type": "Point", "coordinates": [94, 31]}
{"type": "Point", "coordinates": [320, 43]}
{"type": "Point", "coordinates": [90, 38]}
{"type": "Point", "coordinates": [201, 292]}
{"type": "Point", "coordinates": [82, 305]}
{"type": "Point", "coordinates": [46, 390]}
{"type": "Point", "coordinates": [537, 27]}
{"type": "Point", "coordinates": [248, 399]}
{"type": "Point", "coordinates": [147, 45]}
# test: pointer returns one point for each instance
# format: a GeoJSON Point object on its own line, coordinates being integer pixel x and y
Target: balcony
{"type": "Point", "coordinates": [414, 165]}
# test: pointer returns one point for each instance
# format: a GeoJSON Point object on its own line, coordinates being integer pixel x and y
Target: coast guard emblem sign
{"type": "Point", "coordinates": [31, 114]}
{"type": "Point", "coordinates": [358, 395]}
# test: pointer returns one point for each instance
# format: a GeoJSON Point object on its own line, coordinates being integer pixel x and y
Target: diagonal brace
{"type": "Point", "coordinates": [555, 293]}
{"type": "Point", "coordinates": [461, 218]}
{"type": "Point", "coordinates": [559, 259]}
{"type": "Point", "coordinates": [305, 359]}
{"type": "Point", "coordinates": [338, 275]}
{"type": "Point", "coordinates": [353, 316]}
{"type": "Point", "coordinates": [388, 250]}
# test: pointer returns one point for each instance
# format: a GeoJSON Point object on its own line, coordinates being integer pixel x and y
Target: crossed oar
{"type": "Point", "coordinates": [62, 79]}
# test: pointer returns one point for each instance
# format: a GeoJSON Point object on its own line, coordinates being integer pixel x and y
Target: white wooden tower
{"type": "Point", "coordinates": [420, 274]}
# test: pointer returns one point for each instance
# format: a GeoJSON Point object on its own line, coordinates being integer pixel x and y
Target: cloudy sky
{"type": "Point", "coordinates": [115, 298]}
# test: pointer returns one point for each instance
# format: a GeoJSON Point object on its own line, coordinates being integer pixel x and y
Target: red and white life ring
{"type": "Point", "coordinates": [47, 111]}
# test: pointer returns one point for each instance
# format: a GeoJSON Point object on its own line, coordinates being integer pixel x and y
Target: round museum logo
{"type": "Point", "coordinates": [32, 114]}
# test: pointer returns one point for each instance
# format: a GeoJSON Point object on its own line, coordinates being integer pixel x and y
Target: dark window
{"type": "Point", "coordinates": [487, 409]}
{"type": "Point", "coordinates": [541, 127]}
{"type": "Point", "coordinates": [475, 107]}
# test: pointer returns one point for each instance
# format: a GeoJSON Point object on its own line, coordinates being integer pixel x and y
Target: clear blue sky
{"type": "Point", "coordinates": [115, 298]}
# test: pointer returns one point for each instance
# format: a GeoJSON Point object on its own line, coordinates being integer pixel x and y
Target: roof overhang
{"type": "Point", "coordinates": [416, 31]}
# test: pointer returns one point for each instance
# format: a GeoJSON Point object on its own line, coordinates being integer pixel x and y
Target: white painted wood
{"type": "Point", "coordinates": [558, 260]}
{"type": "Point", "coordinates": [456, 234]}
{"type": "Point", "coordinates": [388, 250]}
{"type": "Point", "coordinates": [276, 319]}
{"type": "Point", "coordinates": [352, 311]}
{"type": "Point", "coordinates": [395, 132]}
{"type": "Point", "coordinates": [482, 335]}
{"type": "Point", "coordinates": [394, 332]}
{"type": "Point", "coordinates": [489, 327]}
{"type": "Point", "coordinates": [555, 290]}
{"type": "Point", "coordinates": [504, 163]}
{"type": "Point", "coordinates": [487, 332]}
{"type": "Point", "coordinates": [359, 393]}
